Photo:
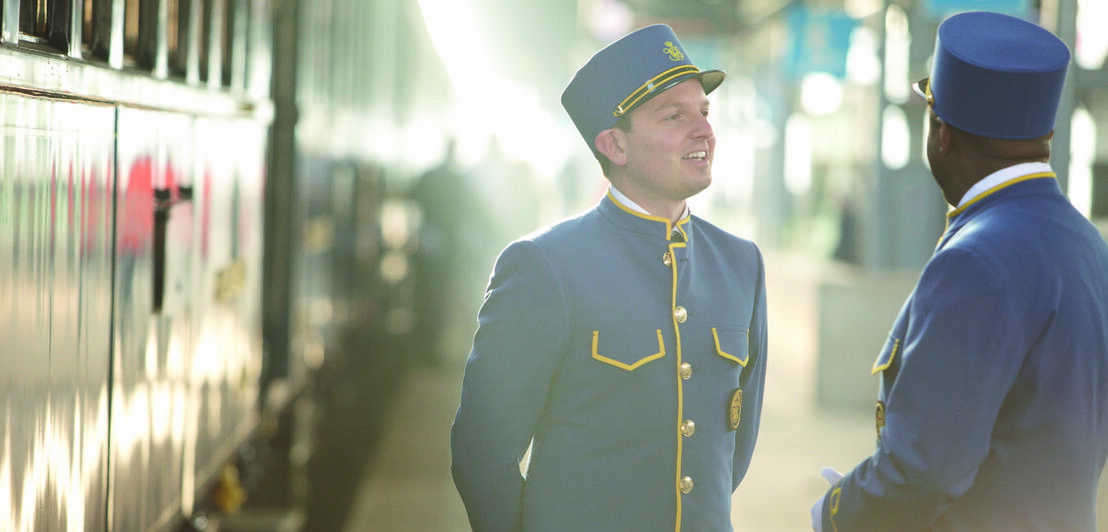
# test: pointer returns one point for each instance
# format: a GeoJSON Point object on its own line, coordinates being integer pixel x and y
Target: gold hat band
{"type": "Point", "coordinates": [646, 88]}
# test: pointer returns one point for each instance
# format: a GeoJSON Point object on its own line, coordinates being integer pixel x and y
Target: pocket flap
{"type": "Point", "coordinates": [628, 359]}
{"type": "Point", "coordinates": [732, 345]}
{"type": "Point", "coordinates": [886, 356]}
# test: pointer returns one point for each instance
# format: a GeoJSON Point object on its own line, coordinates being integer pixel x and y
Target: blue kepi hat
{"type": "Point", "coordinates": [996, 76]}
{"type": "Point", "coordinates": [626, 73]}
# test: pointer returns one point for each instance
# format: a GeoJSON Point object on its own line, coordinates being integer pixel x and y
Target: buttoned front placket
{"type": "Point", "coordinates": [678, 242]}
{"type": "Point", "coordinates": [675, 259]}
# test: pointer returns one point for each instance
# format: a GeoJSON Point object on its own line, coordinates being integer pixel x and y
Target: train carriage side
{"type": "Point", "coordinates": [56, 255]}
{"type": "Point", "coordinates": [131, 199]}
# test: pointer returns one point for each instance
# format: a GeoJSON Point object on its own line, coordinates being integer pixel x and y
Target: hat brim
{"type": "Point", "coordinates": [709, 80]}
{"type": "Point", "coordinates": [923, 89]}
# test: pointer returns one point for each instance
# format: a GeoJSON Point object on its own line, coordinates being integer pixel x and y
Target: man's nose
{"type": "Point", "coordinates": [702, 129]}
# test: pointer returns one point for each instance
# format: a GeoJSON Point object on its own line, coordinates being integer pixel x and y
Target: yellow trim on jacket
{"type": "Point", "coordinates": [677, 373]}
{"type": "Point", "coordinates": [629, 367]}
{"type": "Point", "coordinates": [651, 217]}
{"type": "Point", "coordinates": [879, 368]}
{"type": "Point", "coordinates": [729, 356]}
{"type": "Point", "coordinates": [982, 195]}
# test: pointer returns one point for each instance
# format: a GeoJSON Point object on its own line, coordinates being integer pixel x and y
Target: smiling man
{"type": "Point", "coordinates": [627, 345]}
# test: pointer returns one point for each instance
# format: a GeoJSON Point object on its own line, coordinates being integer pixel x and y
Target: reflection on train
{"type": "Point", "coordinates": [154, 370]}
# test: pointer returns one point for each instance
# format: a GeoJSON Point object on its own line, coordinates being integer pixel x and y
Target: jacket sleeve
{"type": "Point", "coordinates": [752, 380]}
{"type": "Point", "coordinates": [962, 350]}
{"type": "Point", "coordinates": [522, 331]}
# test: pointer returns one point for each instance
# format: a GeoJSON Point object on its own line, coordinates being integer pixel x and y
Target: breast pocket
{"type": "Point", "coordinates": [887, 357]}
{"type": "Point", "coordinates": [732, 344]}
{"type": "Point", "coordinates": [628, 351]}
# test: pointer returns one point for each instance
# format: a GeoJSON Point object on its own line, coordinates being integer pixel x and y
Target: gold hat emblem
{"type": "Point", "coordinates": [673, 51]}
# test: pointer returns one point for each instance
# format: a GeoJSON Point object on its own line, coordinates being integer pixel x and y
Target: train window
{"type": "Point", "coordinates": [30, 26]}
{"type": "Point", "coordinates": [172, 35]}
{"type": "Point", "coordinates": [140, 32]}
{"type": "Point", "coordinates": [176, 35]}
{"type": "Point", "coordinates": [96, 34]}
{"type": "Point", "coordinates": [213, 34]}
{"type": "Point", "coordinates": [227, 39]}
{"type": "Point", "coordinates": [205, 35]}
{"type": "Point", "coordinates": [45, 22]}
{"type": "Point", "coordinates": [130, 28]}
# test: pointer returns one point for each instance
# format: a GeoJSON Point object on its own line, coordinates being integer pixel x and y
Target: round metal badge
{"type": "Point", "coordinates": [735, 412]}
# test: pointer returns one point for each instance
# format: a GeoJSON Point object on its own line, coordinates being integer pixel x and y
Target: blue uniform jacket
{"type": "Point", "coordinates": [994, 379]}
{"type": "Point", "coordinates": [626, 356]}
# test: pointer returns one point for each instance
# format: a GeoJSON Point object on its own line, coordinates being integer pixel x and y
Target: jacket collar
{"type": "Point", "coordinates": [1001, 177]}
{"type": "Point", "coordinates": [654, 226]}
{"type": "Point", "coordinates": [1026, 185]}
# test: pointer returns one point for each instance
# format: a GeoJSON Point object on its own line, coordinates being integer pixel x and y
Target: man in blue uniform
{"type": "Point", "coordinates": [627, 345]}
{"type": "Point", "coordinates": [994, 379]}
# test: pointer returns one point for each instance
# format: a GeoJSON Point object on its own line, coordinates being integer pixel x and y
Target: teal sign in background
{"type": "Point", "coordinates": [818, 41]}
{"type": "Point", "coordinates": [942, 8]}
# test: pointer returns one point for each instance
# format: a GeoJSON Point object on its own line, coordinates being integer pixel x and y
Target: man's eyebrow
{"type": "Point", "coordinates": [681, 105]}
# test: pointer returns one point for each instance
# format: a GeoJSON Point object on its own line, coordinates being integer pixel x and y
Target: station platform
{"type": "Point", "coordinates": [407, 485]}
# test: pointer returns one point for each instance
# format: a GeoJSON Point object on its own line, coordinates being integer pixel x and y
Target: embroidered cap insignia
{"type": "Point", "coordinates": [673, 51]}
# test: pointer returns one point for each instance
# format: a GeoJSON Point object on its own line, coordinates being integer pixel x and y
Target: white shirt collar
{"type": "Point", "coordinates": [619, 196]}
{"type": "Point", "coordinates": [1002, 176]}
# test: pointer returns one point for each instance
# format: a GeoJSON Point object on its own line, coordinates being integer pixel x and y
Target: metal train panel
{"type": "Point", "coordinates": [152, 347]}
{"type": "Point", "coordinates": [313, 334]}
{"type": "Point", "coordinates": [56, 191]}
{"type": "Point", "coordinates": [227, 293]}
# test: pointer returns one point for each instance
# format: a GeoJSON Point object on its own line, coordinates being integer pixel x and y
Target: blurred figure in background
{"type": "Point", "coordinates": [451, 214]}
{"type": "Point", "coordinates": [846, 249]}
{"type": "Point", "coordinates": [627, 345]}
{"type": "Point", "coordinates": [994, 379]}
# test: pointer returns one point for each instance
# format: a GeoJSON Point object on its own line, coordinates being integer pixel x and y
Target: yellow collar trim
{"type": "Point", "coordinates": [1038, 175]}
{"type": "Point", "coordinates": [668, 222]}
{"type": "Point", "coordinates": [646, 88]}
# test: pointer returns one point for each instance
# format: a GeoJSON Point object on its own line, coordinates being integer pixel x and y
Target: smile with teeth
{"type": "Point", "coordinates": [696, 155]}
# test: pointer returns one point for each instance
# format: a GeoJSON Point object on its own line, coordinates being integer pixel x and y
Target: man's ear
{"type": "Point", "coordinates": [945, 137]}
{"type": "Point", "coordinates": [611, 143]}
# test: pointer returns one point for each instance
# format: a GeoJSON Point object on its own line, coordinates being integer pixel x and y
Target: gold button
{"type": "Point", "coordinates": [686, 485]}
{"type": "Point", "coordinates": [680, 314]}
{"type": "Point", "coordinates": [688, 428]}
{"type": "Point", "coordinates": [667, 258]}
{"type": "Point", "coordinates": [685, 369]}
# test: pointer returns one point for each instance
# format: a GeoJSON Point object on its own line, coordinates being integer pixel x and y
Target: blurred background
{"type": "Point", "coordinates": [405, 142]}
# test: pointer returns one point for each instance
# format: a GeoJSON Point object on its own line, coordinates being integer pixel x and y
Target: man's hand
{"type": "Point", "coordinates": [832, 476]}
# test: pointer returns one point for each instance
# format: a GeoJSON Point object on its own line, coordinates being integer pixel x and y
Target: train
{"type": "Point", "coordinates": [194, 238]}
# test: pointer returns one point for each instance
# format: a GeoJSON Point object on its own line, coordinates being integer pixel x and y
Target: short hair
{"type": "Point", "coordinates": [622, 124]}
{"type": "Point", "coordinates": [1037, 148]}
